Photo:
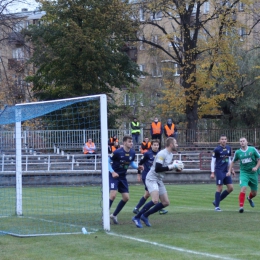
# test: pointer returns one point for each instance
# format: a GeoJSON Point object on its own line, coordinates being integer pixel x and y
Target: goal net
{"type": "Point", "coordinates": [48, 183]}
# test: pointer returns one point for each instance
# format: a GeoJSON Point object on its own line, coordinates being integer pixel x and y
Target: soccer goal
{"type": "Point", "coordinates": [48, 183]}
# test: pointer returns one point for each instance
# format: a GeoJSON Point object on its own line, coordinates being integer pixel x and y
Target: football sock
{"type": "Point", "coordinates": [241, 199]}
{"type": "Point", "coordinates": [119, 207]}
{"type": "Point", "coordinates": [154, 209]}
{"type": "Point", "coordinates": [217, 199]}
{"type": "Point", "coordinates": [145, 208]}
{"type": "Point", "coordinates": [250, 196]}
{"type": "Point", "coordinates": [110, 203]}
{"type": "Point", "coordinates": [223, 195]}
{"type": "Point", "coordinates": [141, 203]}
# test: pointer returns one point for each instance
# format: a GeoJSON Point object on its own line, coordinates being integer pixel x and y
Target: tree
{"type": "Point", "coordinates": [198, 36]}
{"type": "Point", "coordinates": [78, 49]}
{"type": "Point", "coordinates": [12, 70]}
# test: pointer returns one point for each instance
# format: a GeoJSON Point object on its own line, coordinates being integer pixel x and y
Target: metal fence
{"type": "Point", "coordinates": [46, 139]}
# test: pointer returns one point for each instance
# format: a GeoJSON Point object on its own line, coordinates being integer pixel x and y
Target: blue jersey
{"type": "Point", "coordinates": [222, 155]}
{"type": "Point", "coordinates": [147, 161]}
{"type": "Point", "coordinates": [121, 160]}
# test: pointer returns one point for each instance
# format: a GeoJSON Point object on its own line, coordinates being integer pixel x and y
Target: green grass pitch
{"type": "Point", "coordinates": [191, 230]}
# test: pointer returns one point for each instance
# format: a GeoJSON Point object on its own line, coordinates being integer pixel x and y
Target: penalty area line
{"type": "Point", "coordinates": [179, 249]}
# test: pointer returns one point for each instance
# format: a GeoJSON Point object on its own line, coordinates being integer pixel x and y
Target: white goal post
{"type": "Point", "coordinates": [104, 153]}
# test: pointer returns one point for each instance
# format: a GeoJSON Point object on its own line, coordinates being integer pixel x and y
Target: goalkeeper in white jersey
{"type": "Point", "coordinates": [162, 163]}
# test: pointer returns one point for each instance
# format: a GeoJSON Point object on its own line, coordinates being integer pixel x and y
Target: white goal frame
{"type": "Point", "coordinates": [104, 152]}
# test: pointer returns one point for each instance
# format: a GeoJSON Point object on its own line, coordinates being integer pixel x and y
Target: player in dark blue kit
{"type": "Point", "coordinates": [118, 163]}
{"type": "Point", "coordinates": [147, 161]}
{"type": "Point", "coordinates": [220, 161]}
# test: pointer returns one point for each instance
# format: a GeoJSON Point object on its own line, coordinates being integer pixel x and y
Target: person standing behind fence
{"type": "Point", "coordinates": [89, 147]}
{"type": "Point", "coordinates": [221, 158]}
{"type": "Point", "coordinates": [156, 131]}
{"type": "Point", "coordinates": [135, 131]}
{"type": "Point", "coordinates": [249, 164]}
{"type": "Point", "coordinates": [112, 141]}
{"type": "Point", "coordinates": [170, 129]}
{"type": "Point", "coordinates": [145, 145]}
{"type": "Point", "coordinates": [118, 163]}
{"type": "Point", "coordinates": [112, 148]}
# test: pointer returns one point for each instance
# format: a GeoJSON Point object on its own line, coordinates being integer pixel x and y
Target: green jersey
{"type": "Point", "coordinates": [248, 159]}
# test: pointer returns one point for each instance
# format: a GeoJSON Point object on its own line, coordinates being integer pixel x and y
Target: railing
{"type": "Point", "coordinates": [46, 139]}
{"type": "Point", "coordinates": [50, 163]}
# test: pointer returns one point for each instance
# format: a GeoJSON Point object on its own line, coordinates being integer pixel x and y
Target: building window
{"type": "Point", "coordinates": [156, 15]}
{"type": "Point", "coordinates": [142, 44]}
{"type": "Point", "coordinates": [141, 14]}
{"type": "Point", "coordinates": [142, 68]}
{"type": "Point", "coordinates": [175, 42]}
{"type": "Point", "coordinates": [156, 70]}
{"type": "Point", "coordinates": [241, 6]}
{"type": "Point", "coordinates": [18, 54]}
{"type": "Point", "coordinates": [176, 68]}
{"type": "Point", "coordinates": [242, 33]}
{"type": "Point", "coordinates": [206, 7]}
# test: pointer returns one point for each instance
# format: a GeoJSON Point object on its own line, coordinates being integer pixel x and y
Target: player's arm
{"type": "Point", "coordinates": [135, 166]}
{"type": "Point", "coordinates": [114, 174]}
{"type": "Point", "coordinates": [212, 166]}
{"type": "Point", "coordinates": [230, 168]}
{"type": "Point", "coordinates": [257, 166]}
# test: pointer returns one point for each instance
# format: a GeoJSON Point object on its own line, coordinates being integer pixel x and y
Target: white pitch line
{"type": "Point", "coordinates": [172, 247]}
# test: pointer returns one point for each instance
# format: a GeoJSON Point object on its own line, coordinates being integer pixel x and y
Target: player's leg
{"type": "Point", "coordinates": [164, 202]}
{"type": "Point", "coordinates": [253, 184]}
{"type": "Point", "coordinates": [228, 182]}
{"type": "Point", "coordinates": [113, 186]}
{"type": "Point", "coordinates": [142, 200]}
{"type": "Point", "coordinates": [153, 189]}
{"type": "Point", "coordinates": [244, 180]}
{"type": "Point", "coordinates": [123, 189]}
{"type": "Point", "coordinates": [219, 186]}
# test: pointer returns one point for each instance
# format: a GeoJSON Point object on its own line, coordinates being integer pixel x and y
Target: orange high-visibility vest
{"type": "Point", "coordinates": [111, 140]}
{"type": "Point", "coordinates": [156, 128]}
{"type": "Point", "coordinates": [92, 145]}
{"type": "Point", "coordinates": [146, 146]}
{"type": "Point", "coordinates": [169, 131]}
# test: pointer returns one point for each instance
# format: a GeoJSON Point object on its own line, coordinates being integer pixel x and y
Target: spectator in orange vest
{"type": "Point", "coordinates": [111, 142]}
{"type": "Point", "coordinates": [170, 129]}
{"type": "Point", "coordinates": [145, 146]}
{"type": "Point", "coordinates": [156, 131]}
{"type": "Point", "coordinates": [112, 148]}
{"type": "Point", "coordinates": [89, 147]}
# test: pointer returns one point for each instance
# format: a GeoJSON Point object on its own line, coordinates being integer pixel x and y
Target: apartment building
{"type": "Point", "coordinates": [14, 53]}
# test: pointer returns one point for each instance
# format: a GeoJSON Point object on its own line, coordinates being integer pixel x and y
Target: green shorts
{"type": "Point", "coordinates": [250, 180]}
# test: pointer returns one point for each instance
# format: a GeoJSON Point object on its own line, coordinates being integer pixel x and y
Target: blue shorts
{"type": "Point", "coordinates": [221, 178]}
{"type": "Point", "coordinates": [120, 184]}
{"type": "Point", "coordinates": [144, 184]}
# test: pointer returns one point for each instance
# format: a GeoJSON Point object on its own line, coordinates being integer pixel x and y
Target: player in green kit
{"type": "Point", "coordinates": [249, 164]}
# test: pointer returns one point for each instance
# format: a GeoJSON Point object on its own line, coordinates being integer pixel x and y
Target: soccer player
{"type": "Point", "coordinates": [118, 163]}
{"type": "Point", "coordinates": [249, 164]}
{"type": "Point", "coordinates": [161, 164]}
{"type": "Point", "coordinates": [221, 158]}
{"type": "Point", "coordinates": [147, 161]}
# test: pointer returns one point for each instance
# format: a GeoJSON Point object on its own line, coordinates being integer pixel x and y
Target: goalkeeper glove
{"type": "Point", "coordinates": [176, 165]}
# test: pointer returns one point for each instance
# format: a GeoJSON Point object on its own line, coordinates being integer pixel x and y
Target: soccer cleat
{"type": "Point", "coordinates": [217, 209]}
{"type": "Point", "coordinates": [146, 221]}
{"type": "Point", "coordinates": [241, 210]}
{"type": "Point", "coordinates": [137, 222]}
{"type": "Point", "coordinates": [214, 203]}
{"type": "Point", "coordinates": [114, 218]}
{"type": "Point", "coordinates": [252, 204]}
{"type": "Point", "coordinates": [136, 211]}
{"type": "Point", "coordinates": [163, 211]}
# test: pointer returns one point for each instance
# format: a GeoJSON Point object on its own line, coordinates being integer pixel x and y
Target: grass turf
{"type": "Point", "coordinates": [191, 230]}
